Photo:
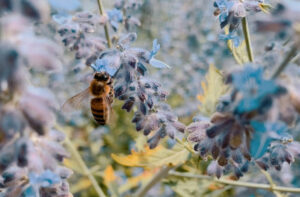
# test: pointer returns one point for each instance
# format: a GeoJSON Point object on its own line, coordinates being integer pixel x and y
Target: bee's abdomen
{"type": "Point", "coordinates": [99, 110]}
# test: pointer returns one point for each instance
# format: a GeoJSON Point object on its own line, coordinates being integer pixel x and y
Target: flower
{"type": "Point", "coordinates": [115, 17]}
{"type": "Point", "coordinates": [154, 62]}
{"type": "Point", "coordinates": [241, 133]}
{"type": "Point", "coordinates": [256, 92]}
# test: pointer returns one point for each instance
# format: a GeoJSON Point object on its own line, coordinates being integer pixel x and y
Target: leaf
{"type": "Point", "coordinates": [140, 142]}
{"type": "Point", "coordinates": [110, 180]}
{"type": "Point", "coordinates": [157, 157]}
{"type": "Point", "coordinates": [240, 52]}
{"type": "Point", "coordinates": [82, 184]}
{"type": "Point", "coordinates": [187, 187]}
{"type": "Point", "coordinates": [265, 7]}
{"type": "Point", "coordinates": [213, 89]}
{"type": "Point", "coordinates": [142, 179]}
{"type": "Point", "coordinates": [109, 175]}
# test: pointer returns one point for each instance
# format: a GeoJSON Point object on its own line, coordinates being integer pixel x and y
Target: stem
{"type": "Point", "coordinates": [185, 146]}
{"type": "Point", "coordinates": [247, 39]}
{"type": "Point", "coordinates": [269, 178]}
{"type": "Point", "coordinates": [237, 183]}
{"type": "Point", "coordinates": [87, 172]}
{"type": "Point", "coordinates": [101, 10]}
{"type": "Point", "coordinates": [272, 184]}
{"type": "Point", "coordinates": [285, 62]}
{"type": "Point", "coordinates": [162, 173]}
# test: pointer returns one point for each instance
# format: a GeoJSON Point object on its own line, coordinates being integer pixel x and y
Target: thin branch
{"type": "Point", "coordinates": [237, 183]}
{"type": "Point", "coordinates": [101, 10]}
{"type": "Point", "coordinates": [247, 39]}
{"type": "Point", "coordinates": [86, 171]}
{"type": "Point", "coordinates": [292, 53]}
{"type": "Point", "coordinates": [162, 173]}
{"type": "Point", "coordinates": [272, 184]}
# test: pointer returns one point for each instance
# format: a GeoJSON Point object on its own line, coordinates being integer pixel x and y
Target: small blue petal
{"type": "Point", "coordinates": [236, 41]}
{"type": "Point", "coordinates": [226, 37]}
{"type": "Point", "coordinates": [46, 179]}
{"type": "Point", "coordinates": [155, 48]}
{"type": "Point", "coordinates": [115, 15]}
{"type": "Point", "coordinates": [29, 192]}
{"type": "Point", "coordinates": [158, 64]}
{"type": "Point", "coordinates": [264, 134]}
{"type": "Point", "coordinates": [65, 5]}
{"type": "Point", "coordinates": [256, 91]}
{"type": "Point", "coordinates": [223, 16]}
{"type": "Point", "coordinates": [61, 18]}
{"type": "Point", "coordinates": [224, 4]}
{"type": "Point", "coordinates": [102, 65]}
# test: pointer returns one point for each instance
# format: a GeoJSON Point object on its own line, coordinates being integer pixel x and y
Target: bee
{"type": "Point", "coordinates": [101, 93]}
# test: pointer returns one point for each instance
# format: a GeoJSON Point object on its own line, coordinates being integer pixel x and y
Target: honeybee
{"type": "Point", "coordinates": [101, 93]}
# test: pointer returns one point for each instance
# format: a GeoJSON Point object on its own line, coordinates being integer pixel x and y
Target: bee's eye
{"type": "Point", "coordinates": [106, 77]}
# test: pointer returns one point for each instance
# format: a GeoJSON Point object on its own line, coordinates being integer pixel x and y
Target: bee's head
{"type": "Point", "coordinates": [101, 76]}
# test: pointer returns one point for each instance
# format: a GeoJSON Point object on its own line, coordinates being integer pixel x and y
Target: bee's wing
{"type": "Point", "coordinates": [75, 102]}
{"type": "Point", "coordinates": [109, 108]}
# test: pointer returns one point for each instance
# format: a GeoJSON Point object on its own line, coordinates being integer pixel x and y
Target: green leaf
{"type": "Point", "coordinates": [139, 180]}
{"type": "Point", "coordinates": [213, 89]}
{"type": "Point", "coordinates": [140, 142]}
{"type": "Point", "coordinates": [188, 187]}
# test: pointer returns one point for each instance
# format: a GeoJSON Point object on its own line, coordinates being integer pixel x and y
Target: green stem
{"type": "Point", "coordinates": [272, 184]}
{"type": "Point", "coordinates": [247, 39]}
{"type": "Point", "coordinates": [285, 62]}
{"type": "Point", "coordinates": [237, 183]}
{"type": "Point", "coordinates": [269, 178]}
{"type": "Point", "coordinates": [185, 146]}
{"type": "Point", "coordinates": [101, 10]}
{"type": "Point", "coordinates": [86, 171]}
{"type": "Point", "coordinates": [162, 173]}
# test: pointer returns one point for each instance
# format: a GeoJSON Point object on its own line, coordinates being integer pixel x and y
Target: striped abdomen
{"type": "Point", "coordinates": [100, 110]}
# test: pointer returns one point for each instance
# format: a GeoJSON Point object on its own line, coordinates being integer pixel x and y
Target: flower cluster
{"type": "Point", "coordinates": [123, 13]}
{"type": "Point", "coordinates": [33, 10]}
{"type": "Point", "coordinates": [30, 149]}
{"type": "Point", "coordinates": [77, 34]}
{"type": "Point", "coordinates": [80, 33]}
{"type": "Point", "coordinates": [242, 132]}
{"type": "Point", "coordinates": [230, 13]}
{"type": "Point", "coordinates": [128, 66]}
